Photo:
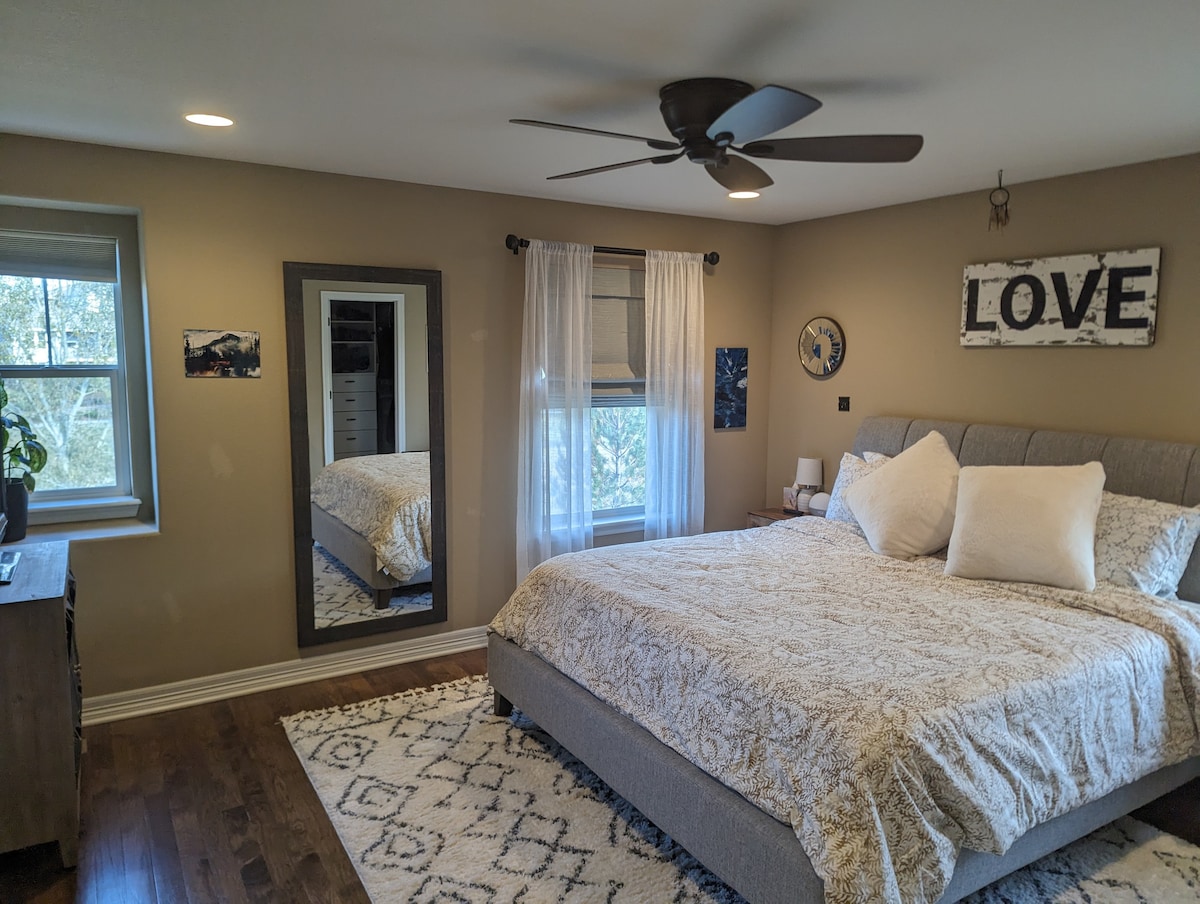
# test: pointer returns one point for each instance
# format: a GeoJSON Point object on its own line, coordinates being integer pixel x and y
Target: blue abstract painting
{"type": "Point", "coordinates": [729, 397]}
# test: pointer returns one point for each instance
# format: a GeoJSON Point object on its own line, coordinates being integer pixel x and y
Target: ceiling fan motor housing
{"type": "Point", "coordinates": [690, 106]}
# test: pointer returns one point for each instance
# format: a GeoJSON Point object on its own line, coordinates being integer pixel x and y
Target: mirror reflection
{"type": "Point", "coordinates": [370, 541]}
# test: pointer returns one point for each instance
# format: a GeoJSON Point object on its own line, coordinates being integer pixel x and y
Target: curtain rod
{"type": "Point", "coordinates": [514, 244]}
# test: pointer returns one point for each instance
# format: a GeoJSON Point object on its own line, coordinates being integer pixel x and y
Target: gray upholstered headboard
{"type": "Point", "coordinates": [1135, 467]}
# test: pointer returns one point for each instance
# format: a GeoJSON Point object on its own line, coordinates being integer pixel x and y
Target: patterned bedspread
{"type": "Point", "coordinates": [889, 713]}
{"type": "Point", "coordinates": [386, 499]}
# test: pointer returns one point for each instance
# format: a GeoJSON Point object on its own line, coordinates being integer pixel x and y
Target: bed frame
{"type": "Point", "coordinates": [354, 551]}
{"type": "Point", "coordinates": [752, 851]}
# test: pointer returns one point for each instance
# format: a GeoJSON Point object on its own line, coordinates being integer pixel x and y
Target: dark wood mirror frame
{"type": "Point", "coordinates": [294, 275]}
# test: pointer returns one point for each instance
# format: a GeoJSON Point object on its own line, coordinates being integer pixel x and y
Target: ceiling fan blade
{"type": "Point", "coordinates": [737, 174]}
{"type": "Point", "coordinates": [839, 148]}
{"type": "Point", "coordinates": [767, 110]}
{"type": "Point", "coordinates": [666, 158]}
{"type": "Point", "coordinates": [658, 144]}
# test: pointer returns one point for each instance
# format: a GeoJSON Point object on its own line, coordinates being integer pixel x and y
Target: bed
{"type": "Point", "coordinates": [547, 655]}
{"type": "Point", "coordinates": [372, 513]}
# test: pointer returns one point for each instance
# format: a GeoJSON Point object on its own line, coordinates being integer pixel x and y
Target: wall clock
{"type": "Point", "coordinates": [822, 346]}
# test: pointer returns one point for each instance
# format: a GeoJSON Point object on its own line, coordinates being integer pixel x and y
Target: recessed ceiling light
{"type": "Point", "coordinates": [208, 119]}
{"type": "Point", "coordinates": [743, 194]}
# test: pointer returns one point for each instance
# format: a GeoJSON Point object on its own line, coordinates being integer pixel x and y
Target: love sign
{"type": "Point", "coordinates": [1109, 298]}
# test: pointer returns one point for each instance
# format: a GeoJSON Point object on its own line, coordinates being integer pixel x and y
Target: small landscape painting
{"type": "Point", "coordinates": [729, 389]}
{"type": "Point", "coordinates": [221, 353]}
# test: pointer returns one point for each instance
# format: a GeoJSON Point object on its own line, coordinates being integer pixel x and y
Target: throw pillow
{"type": "Point", "coordinates": [1143, 543]}
{"type": "Point", "coordinates": [906, 506]}
{"type": "Point", "coordinates": [1035, 524]}
{"type": "Point", "coordinates": [850, 469]}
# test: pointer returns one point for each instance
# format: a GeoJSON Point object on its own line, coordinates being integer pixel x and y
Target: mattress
{"type": "Point", "coordinates": [385, 498]}
{"type": "Point", "coordinates": [890, 714]}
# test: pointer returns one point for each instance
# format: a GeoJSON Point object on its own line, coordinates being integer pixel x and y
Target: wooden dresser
{"type": "Point", "coordinates": [40, 701]}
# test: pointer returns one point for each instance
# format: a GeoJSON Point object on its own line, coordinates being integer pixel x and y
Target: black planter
{"type": "Point", "coordinates": [16, 506]}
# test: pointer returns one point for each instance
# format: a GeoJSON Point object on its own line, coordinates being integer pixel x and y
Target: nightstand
{"type": "Point", "coordinates": [763, 517]}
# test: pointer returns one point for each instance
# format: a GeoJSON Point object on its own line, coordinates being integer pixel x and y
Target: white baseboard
{"type": "Point", "coordinates": [179, 694]}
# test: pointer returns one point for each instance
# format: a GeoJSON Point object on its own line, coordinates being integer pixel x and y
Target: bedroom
{"type": "Point", "coordinates": [216, 232]}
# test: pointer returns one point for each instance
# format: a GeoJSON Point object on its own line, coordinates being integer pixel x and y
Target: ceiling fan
{"type": "Point", "coordinates": [710, 117]}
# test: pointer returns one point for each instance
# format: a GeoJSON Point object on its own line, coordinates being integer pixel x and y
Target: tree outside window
{"type": "Point", "coordinates": [59, 353]}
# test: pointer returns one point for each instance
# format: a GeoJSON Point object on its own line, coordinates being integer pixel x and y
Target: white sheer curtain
{"type": "Point", "coordinates": [554, 457]}
{"type": "Point", "coordinates": [674, 394]}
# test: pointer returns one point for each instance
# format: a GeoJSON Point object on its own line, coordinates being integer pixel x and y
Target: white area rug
{"type": "Point", "coordinates": [437, 800]}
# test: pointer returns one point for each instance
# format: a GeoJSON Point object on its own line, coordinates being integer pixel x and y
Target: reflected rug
{"type": "Point", "coordinates": [435, 800]}
{"type": "Point", "coordinates": [340, 596]}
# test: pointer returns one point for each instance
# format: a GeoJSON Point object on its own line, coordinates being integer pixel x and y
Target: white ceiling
{"type": "Point", "coordinates": [422, 90]}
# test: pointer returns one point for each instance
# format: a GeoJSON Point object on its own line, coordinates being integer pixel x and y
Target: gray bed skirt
{"type": "Point", "coordinates": [750, 850]}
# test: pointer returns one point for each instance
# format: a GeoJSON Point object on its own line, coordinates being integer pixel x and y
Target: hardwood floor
{"type": "Point", "coordinates": [210, 804]}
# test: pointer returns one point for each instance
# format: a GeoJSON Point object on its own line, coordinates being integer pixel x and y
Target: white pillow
{"type": "Point", "coordinates": [872, 457]}
{"type": "Point", "coordinates": [1034, 524]}
{"type": "Point", "coordinates": [851, 469]}
{"type": "Point", "coordinates": [906, 506]}
{"type": "Point", "coordinates": [1143, 543]}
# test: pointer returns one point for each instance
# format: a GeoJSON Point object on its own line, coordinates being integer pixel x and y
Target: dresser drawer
{"type": "Point", "coordinates": [353, 382]}
{"type": "Point", "coordinates": [354, 420]}
{"type": "Point", "coordinates": [354, 401]}
{"type": "Point", "coordinates": [361, 441]}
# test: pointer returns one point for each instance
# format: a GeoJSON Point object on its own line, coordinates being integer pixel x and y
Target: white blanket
{"type": "Point", "coordinates": [889, 713]}
{"type": "Point", "coordinates": [385, 498]}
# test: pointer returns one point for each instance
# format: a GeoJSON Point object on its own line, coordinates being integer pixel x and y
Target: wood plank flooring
{"type": "Point", "coordinates": [209, 804]}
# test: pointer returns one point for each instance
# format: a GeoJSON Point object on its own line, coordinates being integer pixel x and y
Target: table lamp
{"type": "Point", "coordinates": [809, 477]}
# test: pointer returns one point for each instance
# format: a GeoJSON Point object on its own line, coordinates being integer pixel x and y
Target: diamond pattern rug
{"type": "Point", "coordinates": [340, 596]}
{"type": "Point", "coordinates": [437, 800]}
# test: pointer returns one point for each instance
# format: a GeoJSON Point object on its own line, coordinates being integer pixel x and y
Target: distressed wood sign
{"type": "Point", "coordinates": [1108, 298]}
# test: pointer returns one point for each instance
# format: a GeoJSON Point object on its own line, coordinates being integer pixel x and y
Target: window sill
{"type": "Point", "coordinates": [85, 530]}
{"type": "Point", "coordinates": [608, 527]}
{"type": "Point", "coordinates": [77, 511]}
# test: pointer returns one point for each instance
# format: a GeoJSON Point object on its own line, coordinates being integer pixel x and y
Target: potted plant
{"type": "Point", "coordinates": [21, 456]}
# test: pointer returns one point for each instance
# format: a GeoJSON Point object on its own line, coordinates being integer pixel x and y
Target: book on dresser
{"type": "Point", "coordinates": [40, 700]}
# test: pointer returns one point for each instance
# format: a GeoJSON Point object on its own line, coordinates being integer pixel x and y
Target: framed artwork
{"type": "Point", "coordinates": [729, 395]}
{"type": "Point", "coordinates": [221, 353]}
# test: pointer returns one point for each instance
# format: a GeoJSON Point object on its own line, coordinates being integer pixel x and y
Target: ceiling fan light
{"type": "Point", "coordinates": [209, 119]}
{"type": "Point", "coordinates": [743, 195]}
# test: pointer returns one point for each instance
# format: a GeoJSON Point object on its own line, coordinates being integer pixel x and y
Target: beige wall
{"type": "Point", "coordinates": [211, 593]}
{"type": "Point", "coordinates": [893, 279]}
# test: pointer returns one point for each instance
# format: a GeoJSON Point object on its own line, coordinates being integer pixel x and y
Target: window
{"type": "Point", "coordinates": [618, 395]}
{"type": "Point", "coordinates": [72, 355]}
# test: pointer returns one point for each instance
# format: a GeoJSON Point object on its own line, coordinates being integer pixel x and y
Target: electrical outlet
{"type": "Point", "coordinates": [843, 403]}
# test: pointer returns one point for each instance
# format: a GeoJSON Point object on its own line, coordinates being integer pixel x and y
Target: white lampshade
{"type": "Point", "coordinates": [809, 472]}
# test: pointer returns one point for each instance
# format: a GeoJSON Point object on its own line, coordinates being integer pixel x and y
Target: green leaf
{"type": "Point", "coordinates": [35, 454]}
{"type": "Point", "coordinates": [28, 481]}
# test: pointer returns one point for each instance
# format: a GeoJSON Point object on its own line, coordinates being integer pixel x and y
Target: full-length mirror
{"type": "Point", "coordinates": [368, 448]}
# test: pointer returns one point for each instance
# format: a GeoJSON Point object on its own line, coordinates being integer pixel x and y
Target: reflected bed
{"type": "Point", "coordinates": [373, 513]}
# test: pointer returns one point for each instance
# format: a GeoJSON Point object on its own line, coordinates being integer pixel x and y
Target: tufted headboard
{"type": "Point", "coordinates": [1169, 472]}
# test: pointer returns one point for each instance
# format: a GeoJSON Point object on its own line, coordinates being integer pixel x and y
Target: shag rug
{"type": "Point", "coordinates": [340, 596]}
{"type": "Point", "coordinates": [437, 800]}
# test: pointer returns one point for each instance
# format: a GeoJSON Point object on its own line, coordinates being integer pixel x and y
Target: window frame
{"type": "Point", "coordinates": [134, 496]}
